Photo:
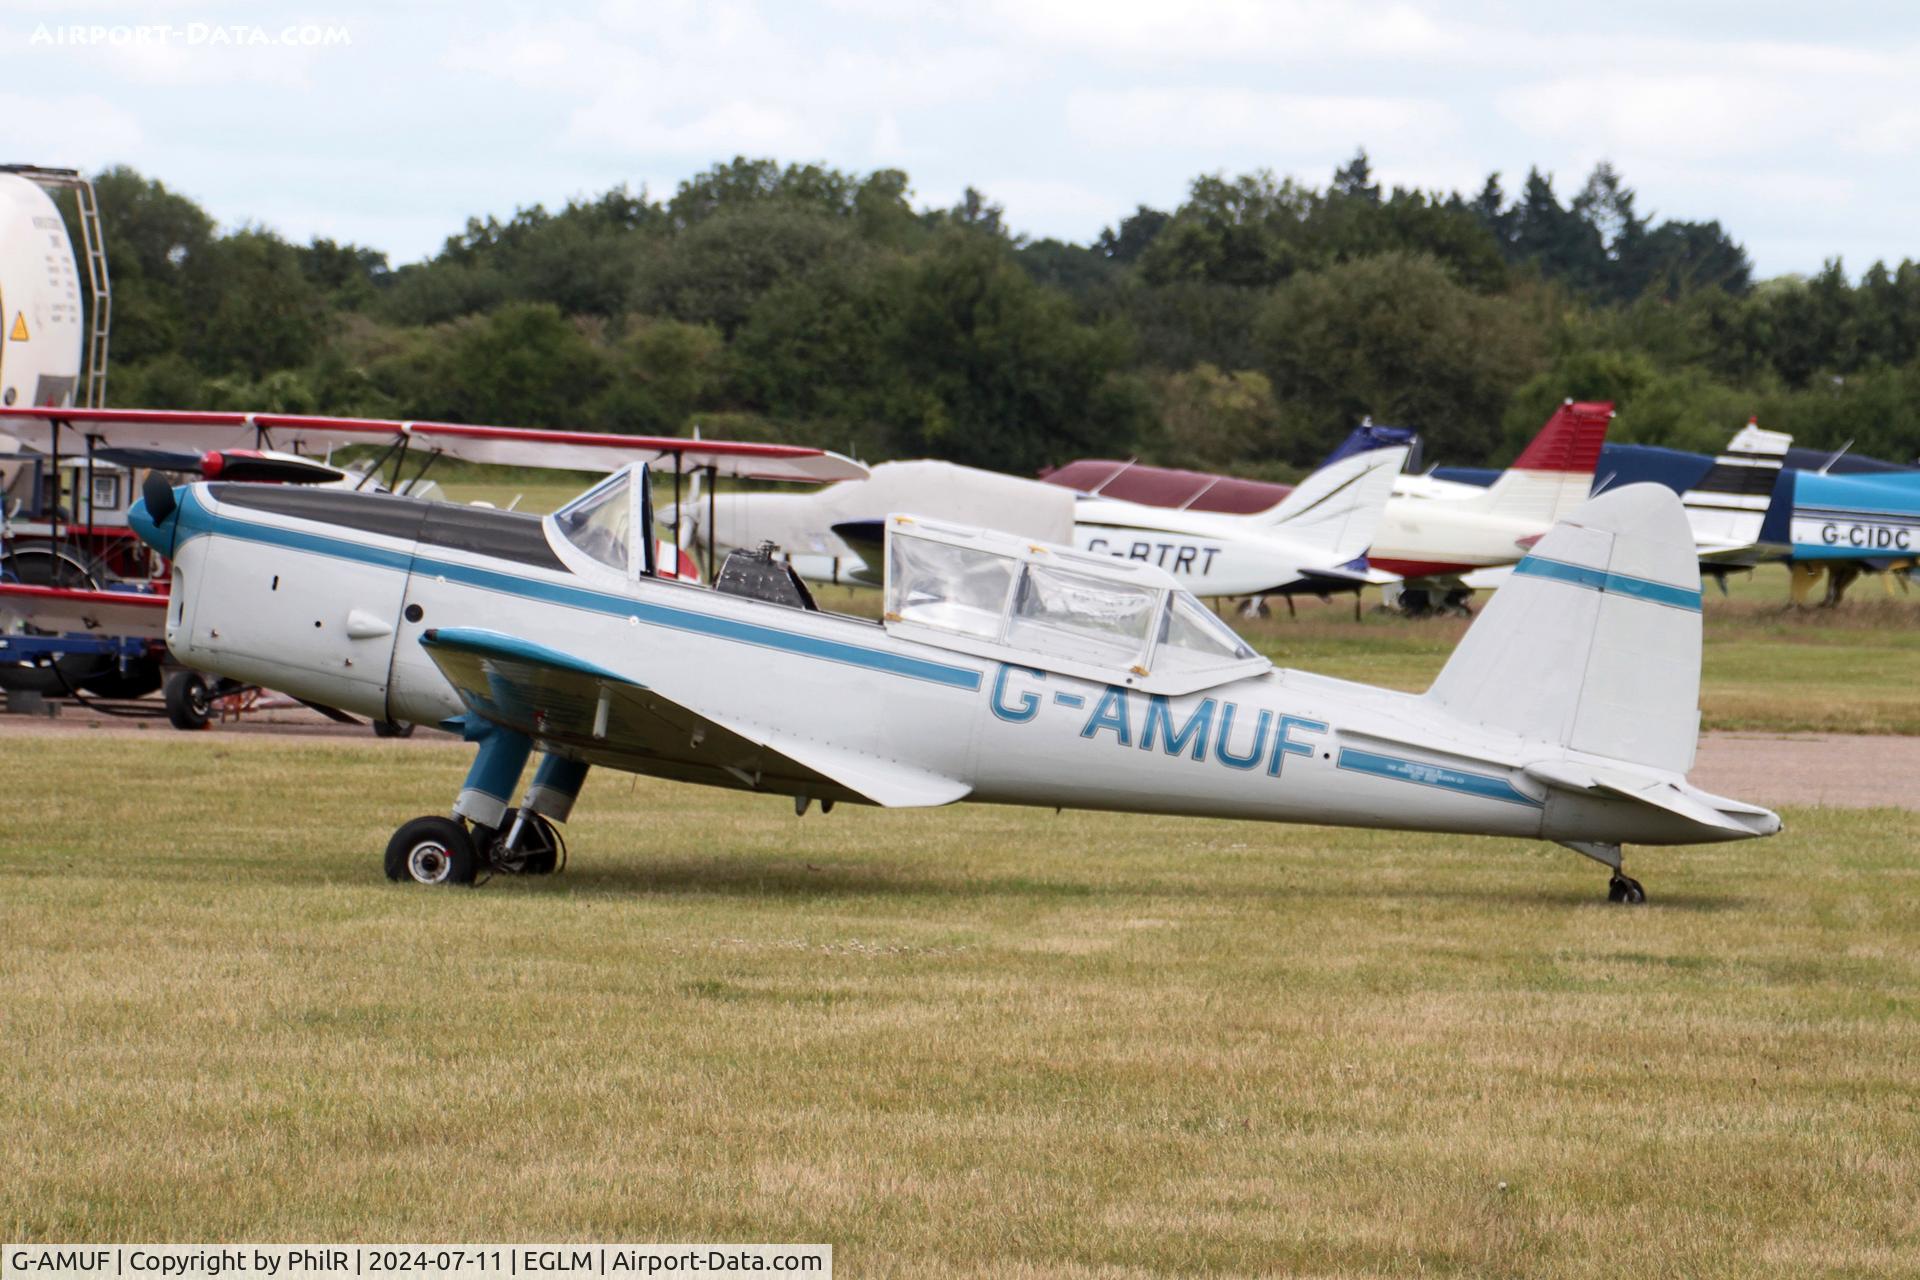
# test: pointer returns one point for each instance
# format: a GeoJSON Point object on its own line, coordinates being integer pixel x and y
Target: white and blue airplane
{"type": "Point", "coordinates": [1004, 670]}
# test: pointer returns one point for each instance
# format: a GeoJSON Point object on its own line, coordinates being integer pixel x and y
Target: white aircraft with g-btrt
{"type": "Point", "coordinates": [1314, 537]}
{"type": "Point", "coordinates": [1005, 670]}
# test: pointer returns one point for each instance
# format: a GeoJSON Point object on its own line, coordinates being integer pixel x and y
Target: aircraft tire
{"type": "Point", "coordinates": [431, 851]}
{"type": "Point", "coordinates": [189, 701]}
{"type": "Point", "coordinates": [391, 729]}
{"type": "Point", "coordinates": [1625, 889]}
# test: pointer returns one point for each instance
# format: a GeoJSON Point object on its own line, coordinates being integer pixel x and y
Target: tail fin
{"type": "Point", "coordinates": [1594, 643]}
{"type": "Point", "coordinates": [1338, 508]}
{"type": "Point", "coordinates": [1367, 437]}
{"type": "Point", "coordinates": [1728, 506]}
{"type": "Point", "coordinates": [1553, 474]}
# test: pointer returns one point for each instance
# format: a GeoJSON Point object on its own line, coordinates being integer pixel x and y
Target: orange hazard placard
{"type": "Point", "coordinates": [19, 333]}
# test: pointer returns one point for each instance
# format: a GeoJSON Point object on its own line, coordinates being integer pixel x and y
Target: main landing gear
{"type": "Point", "coordinates": [485, 835]}
{"type": "Point", "coordinates": [437, 850]}
{"type": "Point", "coordinates": [1621, 888]}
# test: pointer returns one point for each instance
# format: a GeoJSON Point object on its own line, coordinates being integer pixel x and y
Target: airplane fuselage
{"type": "Point", "coordinates": [328, 596]}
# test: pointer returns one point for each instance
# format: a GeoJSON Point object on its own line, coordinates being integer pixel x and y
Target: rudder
{"type": "Point", "coordinates": [1338, 508]}
{"type": "Point", "coordinates": [1554, 473]}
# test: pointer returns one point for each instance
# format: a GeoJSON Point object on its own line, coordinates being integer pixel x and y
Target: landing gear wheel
{"type": "Point", "coordinates": [189, 701]}
{"type": "Point", "coordinates": [538, 853]}
{"type": "Point", "coordinates": [1625, 889]}
{"type": "Point", "coordinates": [392, 729]}
{"type": "Point", "coordinates": [432, 850]}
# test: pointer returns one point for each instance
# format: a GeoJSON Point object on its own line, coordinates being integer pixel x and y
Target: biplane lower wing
{"type": "Point", "coordinates": [73, 609]}
{"type": "Point", "coordinates": [608, 719]}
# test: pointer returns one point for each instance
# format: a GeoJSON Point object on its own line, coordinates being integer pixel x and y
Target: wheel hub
{"type": "Point", "coordinates": [428, 863]}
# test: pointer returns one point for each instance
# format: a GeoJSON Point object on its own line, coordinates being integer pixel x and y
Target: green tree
{"type": "Point", "coordinates": [1239, 232]}
{"type": "Point", "coordinates": [1396, 337]}
{"type": "Point", "coordinates": [716, 271]}
{"type": "Point", "coordinates": [1137, 230]}
{"type": "Point", "coordinates": [523, 365]}
{"type": "Point", "coordinates": [152, 234]}
{"type": "Point", "coordinates": [1215, 420]}
{"type": "Point", "coordinates": [659, 373]}
{"type": "Point", "coordinates": [250, 307]}
{"type": "Point", "coordinates": [997, 373]}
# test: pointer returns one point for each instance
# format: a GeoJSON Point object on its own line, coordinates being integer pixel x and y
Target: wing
{"type": "Point", "coordinates": [67, 431]}
{"type": "Point", "coordinates": [608, 719]}
{"type": "Point", "coordinates": [71, 609]}
{"type": "Point", "coordinates": [597, 451]}
{"type": "Point", "coordinates": [42, 428]}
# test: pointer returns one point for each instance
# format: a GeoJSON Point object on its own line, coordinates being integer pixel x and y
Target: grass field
{"type": "Point", "coordinates": [980, 1041]}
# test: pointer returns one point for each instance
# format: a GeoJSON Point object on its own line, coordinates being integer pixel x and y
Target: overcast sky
{"type": "Point", "coordinates": [1798, 126]}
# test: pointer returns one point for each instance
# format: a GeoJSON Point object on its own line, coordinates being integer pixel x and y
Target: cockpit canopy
{"type": "Point", "coordinates": [611, 523]}
{"type": "Point", "coordinates": [1120, 621]}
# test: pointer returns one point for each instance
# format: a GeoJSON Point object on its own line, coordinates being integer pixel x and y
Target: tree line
{"type": "Point", "coordinates": [1248, 328]}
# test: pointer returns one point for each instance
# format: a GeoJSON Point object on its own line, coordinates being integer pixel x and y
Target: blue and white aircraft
{"type": "Point", "coordinates": [1004, 670]}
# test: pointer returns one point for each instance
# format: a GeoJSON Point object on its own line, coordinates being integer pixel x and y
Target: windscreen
{"type": "Point", "coordinates": [600, 522]}
{"type": "Point", "coordinates": [1191, 637]}
{"type": "Point", "coordinates": [937, 584]}
{"type": "Point", "coordinates": [1078, 616]}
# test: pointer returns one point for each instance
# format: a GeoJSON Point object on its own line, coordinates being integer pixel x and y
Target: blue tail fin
{"type": "Point", "coordinates": [1367, 437]}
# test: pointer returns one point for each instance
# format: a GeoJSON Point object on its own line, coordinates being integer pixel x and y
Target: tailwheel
{"type": "Point", "coordinates": [1625, 889]}
{"type": "Point", "coordinates": [432, 850]}
{"type": "Point", "coordinates": [526, 844]}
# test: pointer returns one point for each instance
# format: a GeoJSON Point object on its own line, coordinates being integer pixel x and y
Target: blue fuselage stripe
{"type": "Point", "coordinates": [203, 521]}
{"type": "Point", "coordinates": [1481, 785]}
{"type": "Point", "coordinates": [1619, 584]}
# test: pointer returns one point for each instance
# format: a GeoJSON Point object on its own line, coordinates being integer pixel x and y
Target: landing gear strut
{"type": "Point", "coordinates": [527, 845]}
{"type": "Point", "coordinates": [1621, 888]}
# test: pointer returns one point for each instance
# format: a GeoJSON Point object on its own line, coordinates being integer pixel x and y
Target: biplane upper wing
{"type": "Point", "coordinates": [68, 431]}
{"type": "Point", "coordinates": [608, 719]}
{"type": "Point", "coordinates": [74, 609]}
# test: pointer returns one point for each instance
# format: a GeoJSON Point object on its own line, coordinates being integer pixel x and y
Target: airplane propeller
{"type": "Point", "coordinates": [687, 518]}
{"type": "Point", "coordinates": [229, 464]}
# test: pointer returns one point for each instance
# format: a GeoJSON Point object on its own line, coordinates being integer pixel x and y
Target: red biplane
{"type": "Point", "coordinates": [71, 566]}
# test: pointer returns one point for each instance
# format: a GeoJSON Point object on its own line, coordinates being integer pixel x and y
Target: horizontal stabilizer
{"type": "Point", "coordinates": [606, 718]}
{"type": "Point", "coordinates": [1684, 802]}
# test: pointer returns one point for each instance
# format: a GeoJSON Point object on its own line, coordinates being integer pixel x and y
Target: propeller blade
{"type": "Point", "coordinates": [271, 468]}
{"type": "Point", "coordinates": [230, 464]}
{"type": "Point", "coordinates": [176, 460]}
